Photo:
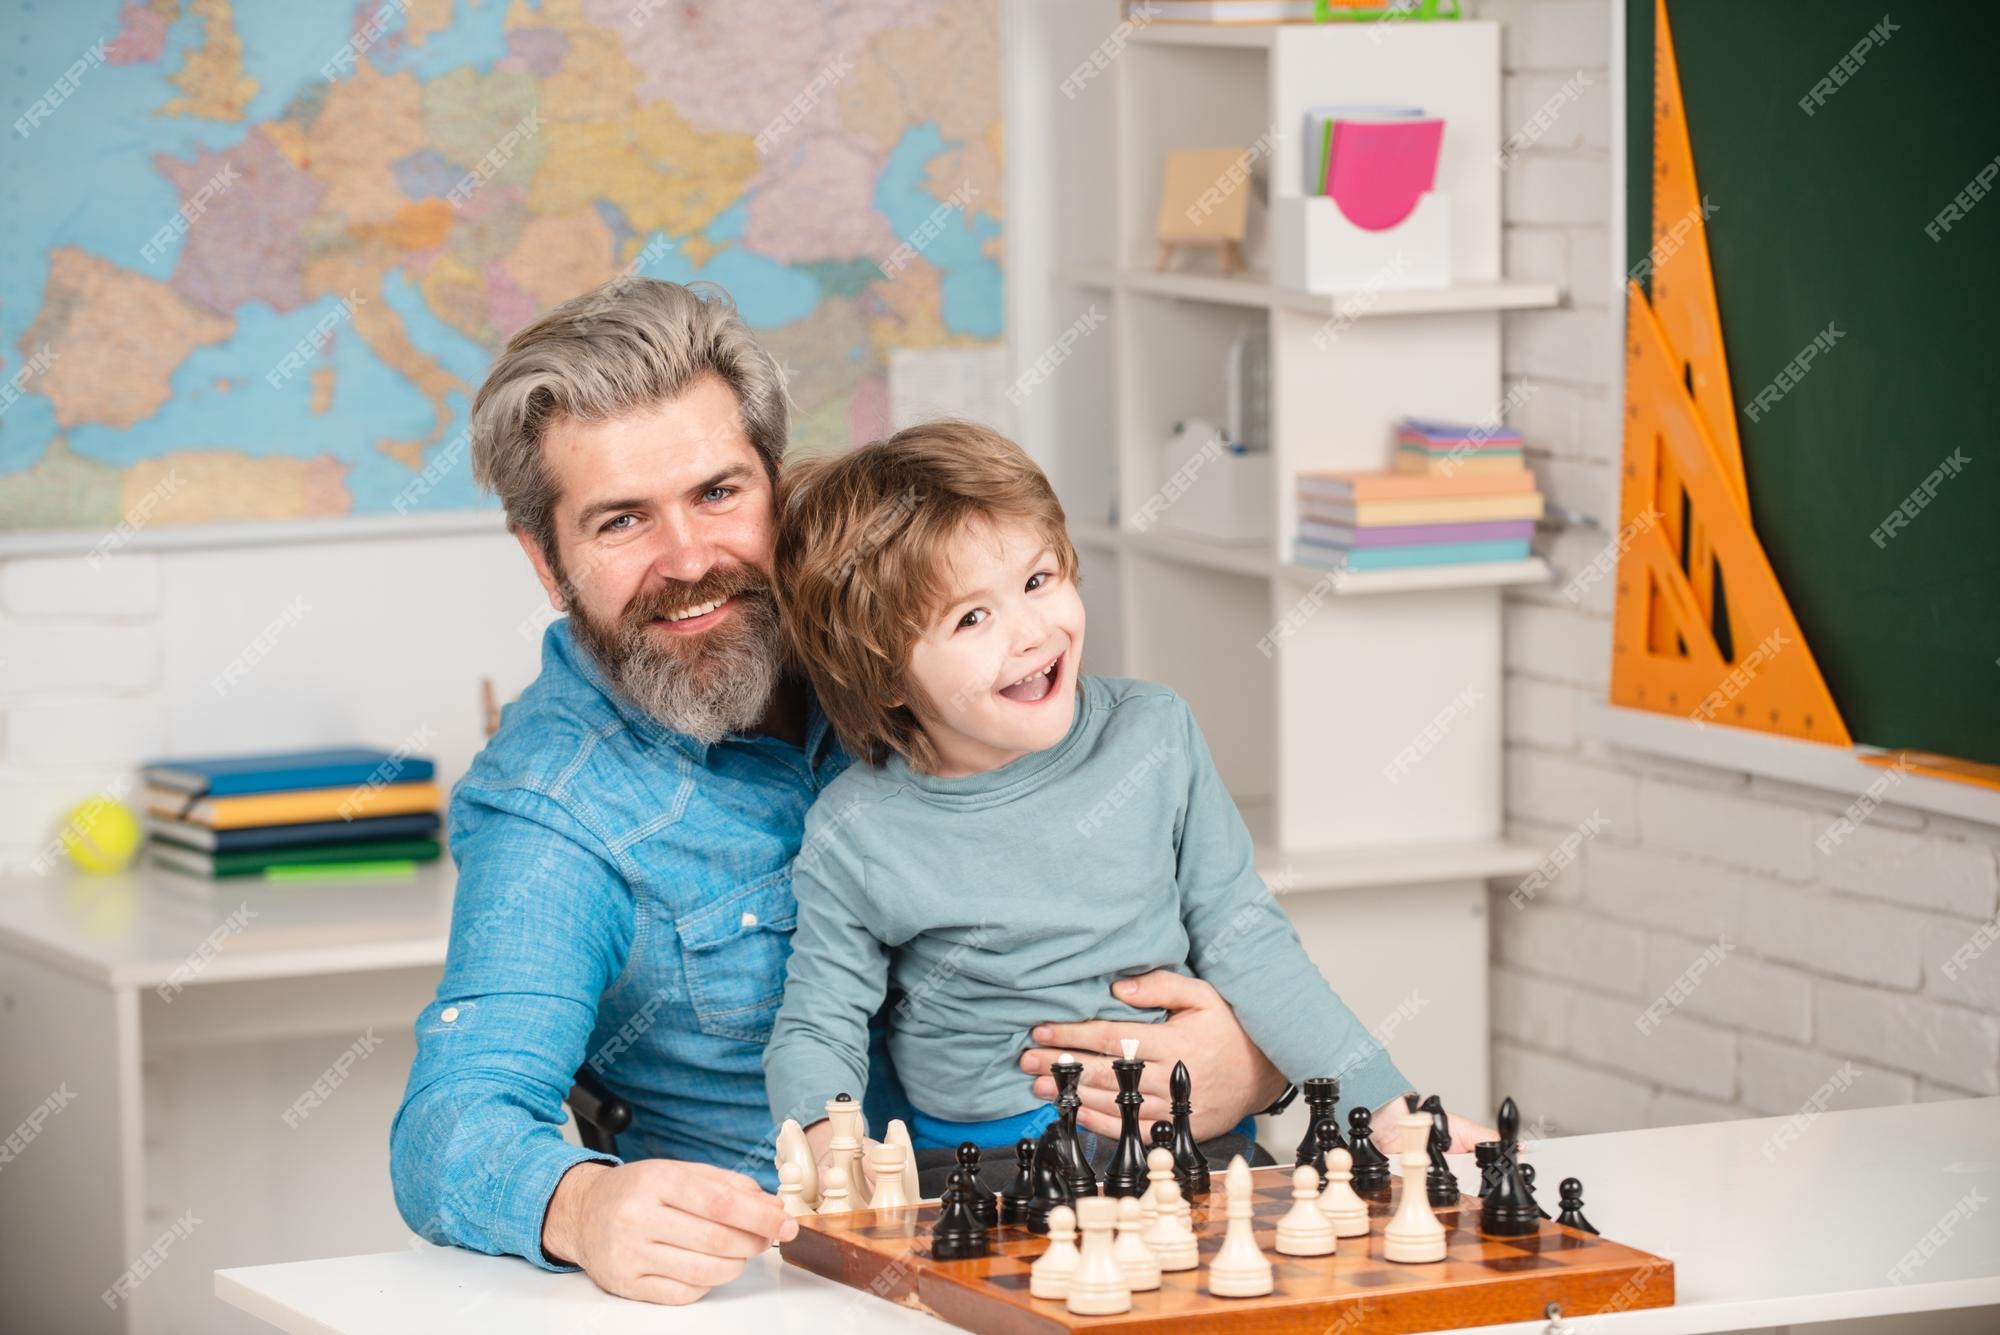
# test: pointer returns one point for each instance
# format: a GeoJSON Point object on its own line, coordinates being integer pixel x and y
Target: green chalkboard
{"type": "Point", "coordinates": [1820, 219]}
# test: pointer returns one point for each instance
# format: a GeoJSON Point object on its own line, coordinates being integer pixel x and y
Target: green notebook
{"type": "Point", "coordinates": [256, 861]}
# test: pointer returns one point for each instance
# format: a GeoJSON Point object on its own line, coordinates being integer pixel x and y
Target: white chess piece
{"type": "Point", "coordinates": [1097, 1287]}
{"type": "Point", "coordinates": [1239, 1270]}
{"type": "Point", "coordinates": [1049, 1276]}
{"type": "Point", "coordinates": [1135, 1258]}
{"type": "Point", "coordinates": [793, 1149]}
{"type": "Point", "coordinates": [886, 1162]}
{"type": "Point", "coordinates": [833, 1196]}
{"type": "Point", "coordinates": [844, 1115]}
{"type": "Point", "coordinates": [899, 1134]}
{"type": "Point", "coordinates": [1171, 1235]}
{"type": "Point", "coordinates": [791, 1194]}
{"type": "Point", "coordinates": [1340, 1203]}
{"type": "Point", "coordinates": [1159, 1168]}
{"type": "Point", "coordinates": [1304, 1231]}
{"type": "Point", "coordinates": [1414, 1235]}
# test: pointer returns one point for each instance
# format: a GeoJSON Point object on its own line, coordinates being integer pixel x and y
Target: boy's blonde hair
{"type": "Point", "coordinates": [862, 572]}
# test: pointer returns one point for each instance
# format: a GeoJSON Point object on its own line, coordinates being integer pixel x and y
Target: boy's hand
{"type": "Point", "coordinates": [1232, 1078]}
{"type": "Point", "coordinates": [1383, 1130]}
{"type": "Point", "coordinates": [819, 1139]}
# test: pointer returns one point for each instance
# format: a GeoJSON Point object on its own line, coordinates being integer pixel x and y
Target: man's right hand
{"type": "Point", "coordinates": [660, 1230]}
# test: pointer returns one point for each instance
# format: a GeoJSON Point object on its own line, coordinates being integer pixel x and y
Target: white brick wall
{"type": "Point", "coordinates": [1833, 958]}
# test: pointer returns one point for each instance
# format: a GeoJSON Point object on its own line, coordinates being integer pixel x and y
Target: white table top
{"type": "Point", "coordinates": [135, 929]}
{"type": "Point", "coordinates": [1810, 1233]}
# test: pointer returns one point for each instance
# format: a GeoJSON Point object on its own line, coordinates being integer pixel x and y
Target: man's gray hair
{"type": "Point", "coordinates": [619, 348]}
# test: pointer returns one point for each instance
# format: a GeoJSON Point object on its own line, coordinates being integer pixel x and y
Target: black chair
{"type": "Point", "coordinates": [600, 1115]}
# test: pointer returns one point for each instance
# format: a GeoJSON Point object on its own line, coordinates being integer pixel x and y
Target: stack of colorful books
{"type": "Point", "coordinates": [349, 811]}
{"type": "Point", "coordinates": [1387, 521]}
{"type": "Point", "coordinates": [1445, 449]}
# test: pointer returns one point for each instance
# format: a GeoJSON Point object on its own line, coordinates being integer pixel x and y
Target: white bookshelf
{"type": "Point", "coordinates": [1302, 734]}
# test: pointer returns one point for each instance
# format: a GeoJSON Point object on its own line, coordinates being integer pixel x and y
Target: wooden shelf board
{"type": "Point", "coordinates": [1253, 559]}
{"type": "Point", "coordinates": [1256, 291]}
{"type": "Point", "coordinates": [1251, 35]}
{"type": "Point", "coordinates": [1490, 574]}
{"type": "Point", "coordinates": [1256, 561]}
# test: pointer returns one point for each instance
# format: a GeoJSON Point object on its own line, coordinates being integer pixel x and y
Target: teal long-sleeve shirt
{"type": "Point", "coordinates": [1004, 900]}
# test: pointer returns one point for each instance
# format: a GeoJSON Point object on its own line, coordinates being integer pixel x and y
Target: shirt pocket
{"type": "Point", "coordinates": [734, 954]}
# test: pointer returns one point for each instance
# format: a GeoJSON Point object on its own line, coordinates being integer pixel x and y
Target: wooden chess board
{"type": "Point", "coordinates": [1482, 1281]}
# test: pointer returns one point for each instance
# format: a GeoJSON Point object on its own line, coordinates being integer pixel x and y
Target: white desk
{"type": "Point", "coordinates": [1808, 1237]}
{"type": "Point", "coordinates": [176, 1103]}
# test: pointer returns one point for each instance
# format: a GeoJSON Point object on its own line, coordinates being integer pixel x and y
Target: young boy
{"type": "Point", "coordinates": [1013, 835]}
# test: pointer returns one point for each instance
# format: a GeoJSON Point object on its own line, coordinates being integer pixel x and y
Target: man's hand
{"type": "Point", "coordinates": [1388, 1138]}
{"type": "Point", "coordinates": [1232, 1078]}
{"type": "Point", "coordinates": [660, 1230]}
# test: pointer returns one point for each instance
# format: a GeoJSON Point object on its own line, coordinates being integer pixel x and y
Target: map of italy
{"type": "Point", "coordinates": [259, 253]}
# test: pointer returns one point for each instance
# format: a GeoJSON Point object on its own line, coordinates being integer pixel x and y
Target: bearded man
{"type": "Point", "coordinates": [624, 841]}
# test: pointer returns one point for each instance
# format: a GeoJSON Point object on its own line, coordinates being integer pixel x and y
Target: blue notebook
{"type": "Point", "coordinates": [284, 771]}
{"type": "Point", "coordinates": [1396, 558]}
{"type": "Point", "coordinates": [416, 825]}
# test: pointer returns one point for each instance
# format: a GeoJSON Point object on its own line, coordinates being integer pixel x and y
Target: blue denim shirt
{"type": "Point", "coordinates": [624, 898]}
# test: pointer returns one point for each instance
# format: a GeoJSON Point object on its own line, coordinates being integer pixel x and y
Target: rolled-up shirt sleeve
{"type": "Point", "coordinates": [540, 928]}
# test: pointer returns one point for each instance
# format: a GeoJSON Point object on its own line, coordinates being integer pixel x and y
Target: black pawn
{"type": "Point", "coordinates": [1189, 1165]}
{"type": "Point", "coordinates": [1528, 1184]}
{"type": "Point", "coordinates": [1327, 1140]}
{"type": "Point", "coordinates": [958, 1235]}
{"type": "Point", "coordinates": [1572, 1205]}
{"type": "Point", "coordinates": [1485, 1155]}
{"type": "Point", "coordinates": [978, 1195]}
{"type": "Point", "coordinates": [1321, 1093]}
{"type": "Point", "coordinates": [1508, 1211]}
{"type": "Point", "coordinates": [1051, 1187]}
{"type": "Point", "coordinates": [1069, 1099]}
{"type": "Point", "coordinates": [1163, 1139]}
{"type": "Point", "coordinates": [1439, 1182]}
{"type": "Point", "coordinates": [1126, 1173]}
{"type": "Point", "coordinates": [1371, 1166]}
{"type": "Point", "coordinates": [1014, 1199]}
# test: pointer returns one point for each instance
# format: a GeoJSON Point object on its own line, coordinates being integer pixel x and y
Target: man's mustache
{"type": "Point", "coordinates": [740, 581]}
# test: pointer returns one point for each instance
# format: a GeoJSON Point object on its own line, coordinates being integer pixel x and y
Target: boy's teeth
{"type": "Point", "coordinates": [687, 612]}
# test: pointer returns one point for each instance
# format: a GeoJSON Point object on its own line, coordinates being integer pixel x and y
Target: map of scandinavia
{"type": "Point", "coordinates": [259, 254]}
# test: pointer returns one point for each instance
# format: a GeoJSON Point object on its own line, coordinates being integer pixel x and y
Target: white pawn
{"type": "Point", "coordinates": [792, 1192]}
{"type": "Point", "coordinates": [1240, 1270]}
{"type": "Point", "coordinates": [1304, 1231]}
{"type": "Point", "coordinates": [1135, 1258]}
{"type": "Point", "coordinates": [885, 1163]}
{"type": "Point", "coordinates": [1049, 1276]}
{"type": "Point", "coordinates": [1159, 1168]}
{"type": "Point", "coordinates": [833, 1191]}
{"type": "Point", "coordinates": [1414, 1235]}
{"type": "Point", "coordinates": [899, 1134]}
{"type": "Point", "coordinates": [844, 1116]}
{"type": "Point", "coordinates": [1340, 1203]}
{"type": "Point", "coordinates": [1171, 1235]}
{"type": "Point", "coordinates": [1097, 1287]}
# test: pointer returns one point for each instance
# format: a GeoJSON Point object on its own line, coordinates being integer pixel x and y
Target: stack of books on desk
{"type": "Point", "coordinates": [347, 811]}
{"type": "Point", "coordinates": [1388, 521]}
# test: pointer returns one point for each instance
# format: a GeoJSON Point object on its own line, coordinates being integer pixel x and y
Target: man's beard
{"type": "Point", "coordinates": [705, 685]}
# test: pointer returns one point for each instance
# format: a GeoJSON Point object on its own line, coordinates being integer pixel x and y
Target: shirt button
{"type": "Point", "coordinates": [749, 918]}
{"type": "Point", "coordinates": [449, 1015]}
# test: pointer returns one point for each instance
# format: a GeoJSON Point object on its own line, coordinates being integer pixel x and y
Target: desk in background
{"type": "Point", "coordinates": [176, 1101]}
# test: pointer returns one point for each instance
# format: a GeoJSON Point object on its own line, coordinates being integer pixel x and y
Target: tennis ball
{"type": "Point", "coordinates": [102, 836]}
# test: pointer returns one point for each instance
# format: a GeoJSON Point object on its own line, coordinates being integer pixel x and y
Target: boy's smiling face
{"type": "Point", "coordinates": [999, 663]}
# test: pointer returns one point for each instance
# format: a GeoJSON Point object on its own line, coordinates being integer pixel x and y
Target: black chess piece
{"type": "Point", "coordinates": [1126, 1173]}
{"type": "Point", "coordinates": [958, 1235]}
{"type": "Point", "coordinates": [1051, 1183]}
{"type": "Point", "coordinates": [1190, 1168]}
{"type": "Point", "coordinates": [1439, 1181]}
{"type": "Point", "coordinates": [1528, 1185]}
{"type": "Point", "coordinates": [1572, 1205]}
{"type": "Point", "coordinates": [978, 1195]}
{"type": "Point", "coordinates": [1484, 1155]}
{"type": "Point", "coordinates": [1321, 1092]}
{"type": "Point", "coordinates": [1371, 1166]}
{"type": "Point", "coordinates": [1163, 1139]}
{"type": "Point", "coordinates": [1508, 1210]}
{"type": "Point", "coordinates": [1077, 1175]}
{"type": "Point", "coordinates": [1014, 1198]}
{"type": "Point", "coordinates": [1327, 1141]}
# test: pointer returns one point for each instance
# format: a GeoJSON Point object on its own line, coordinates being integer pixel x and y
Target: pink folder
{"type": "Point", "coordinates": [1378, 170]}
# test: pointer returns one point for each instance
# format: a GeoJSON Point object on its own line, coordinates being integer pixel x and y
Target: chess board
{"type": "Point", "coordinates": [1482, 1281]}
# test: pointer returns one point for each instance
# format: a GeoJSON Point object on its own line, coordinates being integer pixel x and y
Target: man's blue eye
{"type": "Point", "coordinates": [619, 519]}
{"type": "Point", "coordinates": [718, 493]}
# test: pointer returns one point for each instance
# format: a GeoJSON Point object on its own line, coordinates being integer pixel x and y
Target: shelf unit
{"type": "Point", "coordinates": [1306, 722]}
